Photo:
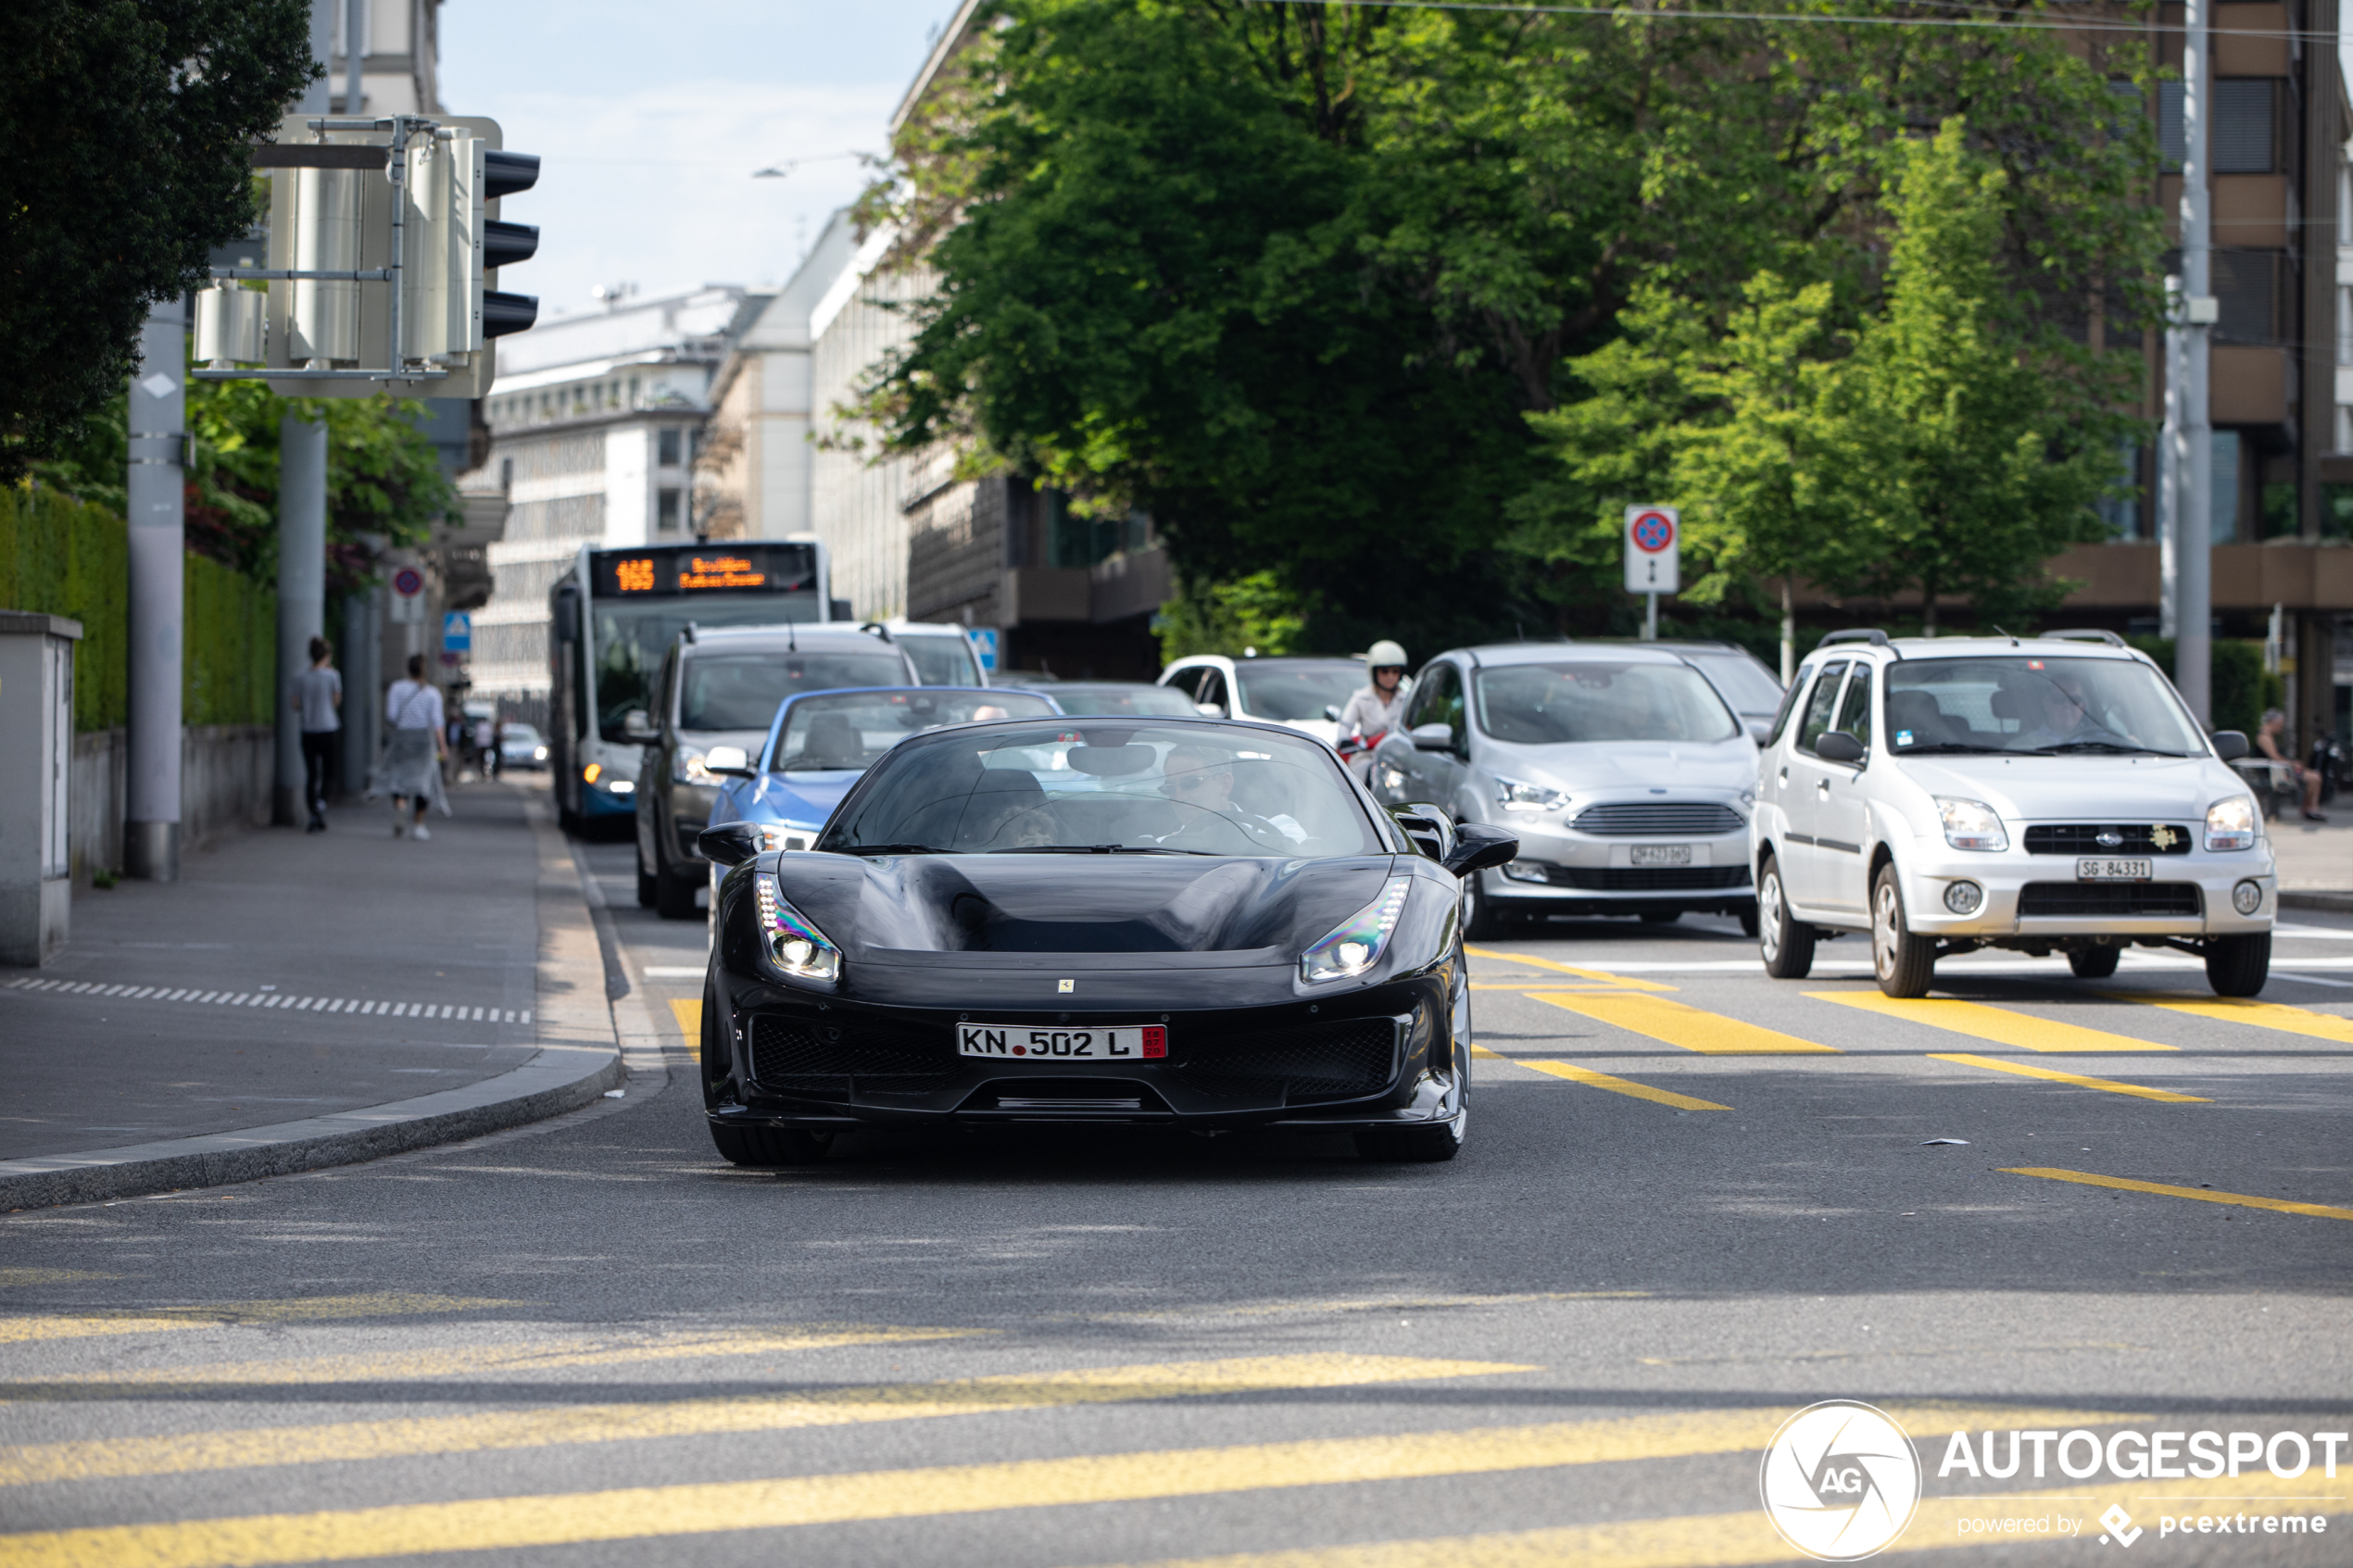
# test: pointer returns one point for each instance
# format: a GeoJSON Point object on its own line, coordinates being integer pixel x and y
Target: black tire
{"type": "Point", "coordinates": [1412, 1145]}
{"type": "Point", "coordinates": [1482, 921]}
{"type": "Point", "coordinates": [1786, 943]}
{"type": "Point", "coordinates": [714, 1063]}
{"type": "Point", "coordinates": [1903, 964]}
{"type": "Point", "coordinates": [2237, 966]}
{"type": "Point", "coordinates": [674, 896]}
{"type": "Point", "coordinates": [646, 885]}
{"type": "Point", "coordinates": [1661, 917]}
{"type": "Point", "coordinates": [2095, 963]}
{"type": "Point", "coordinates": [769, 1145]}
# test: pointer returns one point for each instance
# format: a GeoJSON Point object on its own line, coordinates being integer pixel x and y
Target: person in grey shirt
{"type": "Point", "coordinates": [318, 698]}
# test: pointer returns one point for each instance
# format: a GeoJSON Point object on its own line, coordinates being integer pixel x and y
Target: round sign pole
{"type": "Point", "coordinates": [1650, 620]}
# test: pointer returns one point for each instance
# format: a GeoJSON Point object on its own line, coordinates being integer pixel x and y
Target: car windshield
{"type": "Point", "coordinates": [521, 735]}
{"type": "Point", "coordinates": [1743, 681]}
{"type": "Point", "coordinates": [1105, 786]}
{"type": "Point", "coordinates": [632, 637]}
{"type": "Point", "coordinates": [1166, 702]}
{"type": "Point", "coordinates": [834, 733]}
{"type": "Point", "coordinates": [1600, 701]}
{"type": "Point", "coordinates": [1287, 693]}
{"type": "Point", "coordinates": [2017, 703]}
{"type": "Point", "coordinates": [941, 661]}
{"type": "Point", "coordinates": [740, 690]}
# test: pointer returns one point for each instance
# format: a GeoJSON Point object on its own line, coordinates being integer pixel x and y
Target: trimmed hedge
{"type": "Point", "coordinates": [69, 558]}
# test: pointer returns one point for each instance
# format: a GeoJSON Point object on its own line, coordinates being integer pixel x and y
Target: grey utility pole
{"type": "Point", "coordinates": [2189, 430]}
{"type": "Point", "coordinates": [302, 593]}
{"type": "Point", "coordinates": [158, 565]}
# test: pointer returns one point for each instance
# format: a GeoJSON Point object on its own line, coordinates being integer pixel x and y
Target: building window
{"type": "Point", "coordinates": [666, 511]}
{"type": "Point", "coordinates": [2246, 286]}
{"type": "Point", "coordinates": [2242, 137]}
{"type": "Point", "coordinates": [2121, 509]}
{"type": "Point", "coordinates": [505, 473]}
{"type": "Point", "coordinates": [666, 447]}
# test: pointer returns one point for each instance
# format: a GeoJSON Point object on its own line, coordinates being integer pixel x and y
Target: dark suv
{"type": "Point", "coordinates": [722, 688]}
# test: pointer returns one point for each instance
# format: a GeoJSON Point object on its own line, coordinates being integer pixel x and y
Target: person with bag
{"type": "Point", "coordinates": [410, 767]}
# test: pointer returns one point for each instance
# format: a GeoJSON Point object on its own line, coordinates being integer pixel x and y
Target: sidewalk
{"type": "Point", "coordinates": [305, 999]}
{"type": "Point", "coordinates": [2316, 859]}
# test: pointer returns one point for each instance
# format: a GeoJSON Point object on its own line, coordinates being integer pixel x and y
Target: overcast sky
{"type": "Point", "coordinates": [652, 119]}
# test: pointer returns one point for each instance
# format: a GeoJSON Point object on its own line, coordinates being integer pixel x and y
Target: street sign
{"type": "Point", "coordinates": [457, 631]}
{"type": "Point", "coordinates": [1653, 549]}
{"type": "Point", "coordinates": [985, 646]}
{"type": "Point", "coordinates": [408, 581]}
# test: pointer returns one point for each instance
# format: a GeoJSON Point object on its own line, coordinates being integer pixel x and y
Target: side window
{"type": "Point", "coordinates": [1431, 695]}
{"type": "Point", "coordinates": [1789, 705]}
{"type": "Point", "coordinates": [1187, 681]}
{"type": "Point", "coordinates": [1855, 711]}
{"type": "Point", "coordinates": [1450, 708]}
{"type": "Point", "coordinates": [1213, 689]}
{"type": "Point", "coordinates": [1821, 706]}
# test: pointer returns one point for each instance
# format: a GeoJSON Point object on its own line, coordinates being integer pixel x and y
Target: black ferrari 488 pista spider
{"type": "Point", "coordinates": [1182, 922]}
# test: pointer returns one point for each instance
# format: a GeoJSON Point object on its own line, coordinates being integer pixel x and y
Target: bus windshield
{"type": "Point", "coordinates": [633, 635]}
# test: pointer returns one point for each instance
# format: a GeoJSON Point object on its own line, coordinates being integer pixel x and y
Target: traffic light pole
{"type": "Point", "coordinates": [158, 564]}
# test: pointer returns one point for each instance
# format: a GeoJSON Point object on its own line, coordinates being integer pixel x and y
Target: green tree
{"type": "Point", "coordinates": [127, 124]}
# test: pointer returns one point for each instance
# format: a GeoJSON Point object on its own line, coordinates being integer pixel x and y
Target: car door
{"type": "Point", "coordinates": [1802, 785]}
{"type": "Point", "coordinates": [1430, 776]}
{"type": "Point", "coordinates": [1842, 813]}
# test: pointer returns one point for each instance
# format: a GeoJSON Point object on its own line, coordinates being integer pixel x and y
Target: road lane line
{"type": "Point", "coordinates": [1710, 1034]}
{"type": "Point", "coordinates": [315, 1309]}
{"type": "Point", "coordinates": [638, 1512]}
{"type": "Point", "coordinates": [1623, 1087]}
{"type": "Point", "coordinates": [2025, 1070]}
{"type": "Point", "coordinates": [689, 1011]}
{"type": "Point", "coordinates": [211, 1379]}
{"type": "Point", "coordinates": [1600, 976]}
{"type": "Point", "coordinates": [2203, 1194]}
{"type": "Point", "coordinates": [1998, 1024]}
{"type": "Point", "coordinates": [2261, 1015]}
{"type": "Point", "coordinates": [258, 1447]}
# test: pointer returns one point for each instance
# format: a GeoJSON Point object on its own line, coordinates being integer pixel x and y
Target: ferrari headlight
{"type": "Point", "coordinates": [687, 766]}
{"type": "Point", "coordinates": [2230, 823]}
{"type": "Point", "coordinates": [1357, 944]}
{"type": "Point", "coordinates": [1971, 824]}
{"type": "Point", "coordinates": [1516, 796]}
{"type": "Point", "coordinates": [792, 939]}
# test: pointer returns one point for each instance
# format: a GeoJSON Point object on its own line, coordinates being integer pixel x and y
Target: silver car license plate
{"type": "Point", "coordinates": [1661, 855]}
{"type": "Point", "coordinates": [2112, 871]}
{"type": "Point", "coordinates": [1062, 1044]}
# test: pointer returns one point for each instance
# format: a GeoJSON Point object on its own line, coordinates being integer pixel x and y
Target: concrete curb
{"type": "Point", "coordinates": [2339, 903]}
{"type": "Point", "coordinates": [579, 1059]}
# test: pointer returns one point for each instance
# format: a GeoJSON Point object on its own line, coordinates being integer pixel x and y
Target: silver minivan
{"type": "Point", "coordinates": [1626, 777]}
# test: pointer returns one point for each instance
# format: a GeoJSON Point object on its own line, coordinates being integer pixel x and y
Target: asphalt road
{"type": "Point", "coordinates": [1693, 1202]}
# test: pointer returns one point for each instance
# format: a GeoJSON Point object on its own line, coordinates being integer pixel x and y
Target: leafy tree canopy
{"type": "Point", "coordinates": [127, 124]}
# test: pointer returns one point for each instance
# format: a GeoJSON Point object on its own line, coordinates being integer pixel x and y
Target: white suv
{"type": "Point", "coordinates": [2044, 794]}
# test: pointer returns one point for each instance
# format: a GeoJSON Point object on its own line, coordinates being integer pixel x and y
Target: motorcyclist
{"type": "Point", "coordinates": [1379, 706]}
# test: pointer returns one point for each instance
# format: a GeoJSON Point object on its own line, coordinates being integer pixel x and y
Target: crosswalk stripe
{"type": "Point", "coordinates": [353, 1007]}
{"type": "Point", "coordinates": [2201, 1195]}
{"type": "Point", "coordinates": [635, 1513]}
{"type": "Point", "coordinates": [2261, 1015]}
{"type": "Point", "coordinates": [1599, 976]}
{"type": "Point", "coordinates": [1710, 1034]}
{"type": "Point", "coordinates": [257, 1446]}
{"type": "Point", "coordinates": [1999, 1025]}
{"type": "Point", "coordinates": [209, 1379]}
{"type": "Point", "coordinates": [2027, 1069]}
{"type": "Point", "coordinates": [314, 1309]}
{"type": "Point", "coordinates": [1616, 1085]}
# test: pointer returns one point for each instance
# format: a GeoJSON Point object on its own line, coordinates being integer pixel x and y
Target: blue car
{"type": "Point", "coordinates": [821, 742]}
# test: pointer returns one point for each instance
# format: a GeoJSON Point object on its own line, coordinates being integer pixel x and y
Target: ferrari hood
{"type": "Point", "coordinates": [897, 909]}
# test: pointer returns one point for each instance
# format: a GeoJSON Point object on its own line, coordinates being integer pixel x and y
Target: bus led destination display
{"type": "Point", "coordinates": [734, 567]}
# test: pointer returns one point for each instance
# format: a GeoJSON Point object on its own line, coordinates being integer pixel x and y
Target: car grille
{"type": "Point", "coordinates": [2083, 838]}
{"type": "Point", "coordinates": [1633, 818]}
{"type": "Point", "coordinates": [1343, 1060]}
{"type": "Point", "coordinates": [797, 1056]}
{"type": "Point", "coordinates": [1646, 879]}
{"type": "Point", "coordinates": [2147, 898]}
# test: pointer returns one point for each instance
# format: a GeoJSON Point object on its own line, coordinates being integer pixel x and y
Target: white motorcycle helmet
{"type": "Point", "coordinates": [1384, 655]}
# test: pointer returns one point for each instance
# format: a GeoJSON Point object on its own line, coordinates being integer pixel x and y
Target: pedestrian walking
{"type": "Point", "coordinates": [318, 699]}
{"type": "Point", "coordinates": [410, 770]}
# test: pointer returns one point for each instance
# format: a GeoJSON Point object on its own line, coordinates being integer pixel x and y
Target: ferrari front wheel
{"type": "Point", "coordinates": [1415, 1146]}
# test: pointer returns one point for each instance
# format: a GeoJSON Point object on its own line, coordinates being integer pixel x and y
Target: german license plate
{"type": "Point", "coordinates": [2112, 871]}
{"type": "Point", "coordinates": [1010, 1040]}
{"type": "Point", "coordinates": [1662, 854]}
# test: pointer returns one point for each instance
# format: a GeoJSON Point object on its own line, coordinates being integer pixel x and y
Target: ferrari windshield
{"type": "Point", "coordinates": [1598, 701]}
{"type": "Point", "coordinates": [847, 731]}
{"type": "Point", "coordinates": [1094, 786]}
{"type": "Point", "coordinates": [2015, 703]}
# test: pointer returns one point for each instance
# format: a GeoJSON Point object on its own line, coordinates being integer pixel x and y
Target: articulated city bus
{"type": "Point", "coordinates": [613, 617]}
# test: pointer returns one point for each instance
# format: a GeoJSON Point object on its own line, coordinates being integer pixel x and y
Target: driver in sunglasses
{"type": "Point", "coordinates": [1204, 779]}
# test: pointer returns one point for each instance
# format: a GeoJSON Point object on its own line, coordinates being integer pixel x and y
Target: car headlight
{"type": "Point", "coordinates": [1518, 796]}
{"type": "Point", "coordinates": [792, 939]}
{"type": "Point", "coordinates": [539, 754]}
{"type": "Point", "coordinates": [1971, 824]}
{"type": "Point", "coordinates": [2230, 823]}
{"type": "Point", "coordinates": [1357, 942]}
{"type": "Point", "coordinates": [687, 766]}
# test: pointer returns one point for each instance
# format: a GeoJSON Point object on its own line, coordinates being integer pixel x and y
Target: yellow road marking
{"type": "Point", "coordinates": [526, 1358]}
{"type": "Point", "coordinates": [1599, 976]}
{"type": "Point", "coordinates": [252, 1447]}
{"type": "Point", "coordinates": [1711, 1034]}
{"type": "Point", "coordinates": [48, 1276]}
{"type": "Point", "coordinates": [1997, 1024]}
{"type": "Point", "coordinates": [2262, 1015]}
{"type": "Point", "coordinates": [316, 1309]}
{"type": "Point", "coordinates": [2025, 1070]}
{"type": "Point", "coordinates": [1623, 1087]}
{"type": "Point", "coordinates": [2203, 1194]}
{"type": "Point", "coordinates": [635, 1513]}
{"type": "Point", "coordinates": [690, 1012]}
{"type": "Point", "coordinates": [1728, 1540]}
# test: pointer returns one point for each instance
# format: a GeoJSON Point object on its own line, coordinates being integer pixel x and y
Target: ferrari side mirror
{"type": "Point", "coordinates": [730, 844]}
{"type": "Point", "coordinates": [1478, 847]}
